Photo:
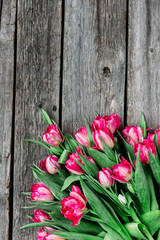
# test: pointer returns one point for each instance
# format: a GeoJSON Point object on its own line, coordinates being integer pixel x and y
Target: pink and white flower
{"type": "Point", "coordinates": [145, 147]}
{"type": "Point", "coordinates": [42, 235]}
{"type": "Point", "coordinates": [122, 171]}
{"type": "Point", "coordinates": [82, 137]}
{"type": "Point", "coordinates": [74, 207]}
{"type": "Point", "coordinates": [151, 136]}
{"type": "Point", "coordinates": [41, 193]}
{"type": "Point", "coordinates": [40, 216]}
{"type": "Point", "coordinates": [100, 129]}
{"type": "Point", "coordinates": [133, 135]}
{"type": "Point", "coordinates": [52, 135]}
{"type": "Point", "coordinates": [105, 177]}
{"type": "Point", "coordinates": [50, 164]}
{"type": "Point", "coordinates": [71, 164]}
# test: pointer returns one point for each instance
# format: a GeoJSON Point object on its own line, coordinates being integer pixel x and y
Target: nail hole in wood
{"type": "Point", "coordinates": [54, 108]}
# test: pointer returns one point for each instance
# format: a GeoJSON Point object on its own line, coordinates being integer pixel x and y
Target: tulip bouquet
{"type": "Point", "coordinates": [99, 184]}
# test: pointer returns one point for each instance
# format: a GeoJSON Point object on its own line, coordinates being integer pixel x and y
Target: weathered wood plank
{"type": "Point", "coordinates": [7, 31]}
{"type": "Point", "coordinates": [143, 62]}
{"type": "Point", "coordinates": [94, 60]}
{"type": "Point", "coordinates": [38, 83]}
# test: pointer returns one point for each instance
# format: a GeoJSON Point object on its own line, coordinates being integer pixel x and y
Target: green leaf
{"type": "Point", "coordinates": [55, 188]}
{"type": "Point", "coordinates": [113, 233]}
{"type": "Point", "coordinates": [53, 206]}
{"type": "Point", "coordinates": [70, 142]}
{"type": "Point", "coordinates": [128, 148]}
{"type": "Point", "coordinates": [55, 150]}
{"type": "Point", "coordinates": [46, 117]}
{"type": "Point", "coordinates": [102, 211]}
{"type": "Point", "coordinates": [154, 203]}
{"type": "Point", "coordinates": [101, 234]}
{"type": "Point", "coordinates": [84, 227]}
{"type": "Point", "coordinates": [54, 178]}
{"type": "Point", "coordinates": [91, 167]}
{"type": "Point", "coordinates": [96, 114]}
{"type": "Point", "coordinates": [75, 236]}
{"type": "Point", "coordinates": [141, 186]}
{"type": "Point", "coordinates": [100, 158]}
{"type": "Point", "coordinates": [89, 131]}
{"type": "Point", "coordinates": [155, 166]}
{"type": "Point", "coordinates": [156, 143]}
{"type": "Point", "coordinates": [143, 124]}
{"type": "Point", "coordinates": [38, 224]}
{"type": "Point", "coordinates": [69, 181]}
{"type": "Point", "coordinates": [108, 151]}
{"type": "Point", "coordinates": [151, 220]}
{"type": "Point", "coordinates": [135, 230]}
{"type": "Point", "coordinates": [64, 156]}
{"type": "Point", "coordinates": [106, 192]}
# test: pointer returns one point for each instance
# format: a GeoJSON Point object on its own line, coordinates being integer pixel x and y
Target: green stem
{"type": "Point", "coordinates": [134, 215]}
{"type": "Point", "coordinates": [62, 146]}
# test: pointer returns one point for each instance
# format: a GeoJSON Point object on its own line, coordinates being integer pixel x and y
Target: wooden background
{"type": "Point", "coordinates": [70, 57]}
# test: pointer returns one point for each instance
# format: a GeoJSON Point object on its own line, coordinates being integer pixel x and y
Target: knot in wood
{"type": "Point", "coordinates": [106, 71]}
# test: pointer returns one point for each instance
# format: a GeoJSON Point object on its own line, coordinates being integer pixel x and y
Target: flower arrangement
{"type": "Point", "coordinates": [98, 184]}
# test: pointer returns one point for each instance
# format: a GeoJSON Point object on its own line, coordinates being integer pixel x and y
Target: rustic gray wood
{"type": "Point", "coordinates": [144, 62]}
{"type": "Point", "coordinates": [37, 84]}
{"type": "Point", "coordinates": [94, 60]}
{"type": "Point", "coordinates": [7, 30]}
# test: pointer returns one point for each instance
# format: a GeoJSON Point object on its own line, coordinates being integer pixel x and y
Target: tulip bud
{"type": "Point", "coordinates": [42, 235]}
{"type": "Point", "coordinates": [151, 136]}
{"type": "Point", "coordinates": [104, 177]}
{"type": "Point", "coordinates": [100, 129]}
{"type": "Point", "coordinates": [145, 147]}
{"type": "Point", "coordinates": [50, 164]}
{"type": "Point", "coordinates": [133, 135]}
{"type": "Point", "coordinates": [122, 199]}
{"type": "Point", "coordinates": [41, 193]}
{"type": "Point", "coordinates": [74, 207]}
{"type": "Point", "coordinates": [82, 137]}
{"type": "Point", "coordinates": [107, 137]}
{"type": "Point", "coordinates": [71, 164]}
{"type": "Point", "coordinates": [52, 135]}
{"type": "Point", "coordinates": [122, 172]}
{"type": "Point", "coordinates": [40, 216]}
{"type": "Point", "coordinates": [113, 122]}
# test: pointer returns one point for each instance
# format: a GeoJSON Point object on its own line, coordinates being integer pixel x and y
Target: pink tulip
{"type": "Point", "coordinates": [107, 137]}
{"type": "Point", "coordinates": [50, 164]}
{"type": "Point", "coordinates": [72, 166]}
{"type": "Point", "coordinates": [133, 135]}
{"type": "Point", "coordinates": [52, 135]}
{"type": "Point", "coordinates": [82, 137]}
{"type": "Point", "coordinates": [40, 216]}
{"type": "Point", "coordinates": [105, 177]}
{"type": "Point", "coordinates": [151, 136]}
{"type": "Point", "coordinates": [41, 193]}
{"type": "Point", "coordinates": [100, 129]}
{"type": "Point", "coordinates": [122, 171]}
{"type": "Point", "coordinates": [145, 147]}
{"type": "Point", "coordinates": [42, 235]}
{"type": "Point", "coordinates": [74, 207]}
{"type": "Point", "coordinates": [113, 122]}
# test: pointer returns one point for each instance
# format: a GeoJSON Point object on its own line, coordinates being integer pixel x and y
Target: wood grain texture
{"type": "Point", "coordinates": [38, 81]}
{"type": "Point", "coordinates": [94, 60]}
{"type": "Point", "coordinates": [7, 31]}
{"type": "Point", "coordinates": [144, 62]}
